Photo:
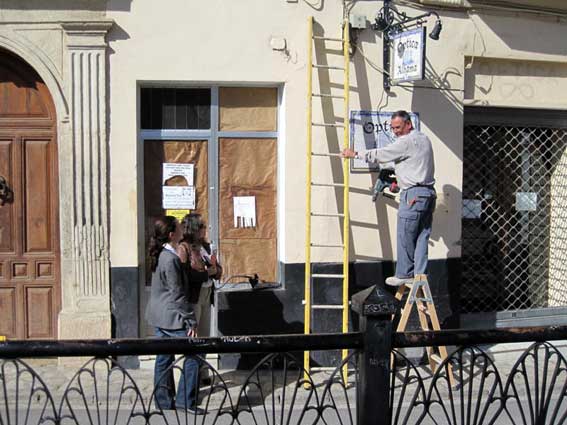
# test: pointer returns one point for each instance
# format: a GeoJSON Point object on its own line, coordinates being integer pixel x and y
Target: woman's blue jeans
{"type": "Point", "coordinates": [163, 376]}
{"type": "Point", "coordinates": [415, 216]}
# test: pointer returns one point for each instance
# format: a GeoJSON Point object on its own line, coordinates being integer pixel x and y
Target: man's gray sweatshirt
{"type": "Point", "coordinates": [412, 155]}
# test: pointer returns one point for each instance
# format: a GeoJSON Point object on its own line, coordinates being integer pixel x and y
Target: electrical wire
{"type": "Point", "coordinates": [488, 5]}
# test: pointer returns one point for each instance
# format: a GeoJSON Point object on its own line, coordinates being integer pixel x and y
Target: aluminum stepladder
{"type": "Point", "coordinates": [310, 277]}
{"type": "Point", "coordinates": [419, 295]}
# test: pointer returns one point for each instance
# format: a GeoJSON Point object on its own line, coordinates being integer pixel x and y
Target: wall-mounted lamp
{"type": "Point", "coordinates": [390, 21]}
{"type": "Point", "coordinates": [434, 34]}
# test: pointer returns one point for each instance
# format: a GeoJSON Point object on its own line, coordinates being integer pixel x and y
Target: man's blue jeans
{"type": "Point", "coordinates": [415, 216]}
{"type": "Point", "coordinates": [163, 376]}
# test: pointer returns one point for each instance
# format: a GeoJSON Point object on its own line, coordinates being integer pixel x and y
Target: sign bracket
{"type": "Point", "coordinates": [390, 21]}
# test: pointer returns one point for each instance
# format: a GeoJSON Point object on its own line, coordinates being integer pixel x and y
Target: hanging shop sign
{"type": "Point", "coordinates": [408, 56]}
{"type": "Point", "coordinates": [371, 130]}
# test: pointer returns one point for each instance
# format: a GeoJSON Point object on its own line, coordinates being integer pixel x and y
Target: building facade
{"type": "Point", "coordinates": [98, 95]}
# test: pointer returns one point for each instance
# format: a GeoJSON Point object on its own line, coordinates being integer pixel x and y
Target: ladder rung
{"type": "Point", "coordinates": [326, 307]}
{"type": "Point", "coordinates": [321, 368]}
{"type": "Point", "coordinates": [319, 37]}
{"type": "Point", "coordinates": [328, 67]}
{"type": "Point", "coordinates": [324, 124]}
{"type": "Point", "coordinates": [318, 245]}
{"type": "Point", "coordinates": [325, 154]}
{"type": "Point", "coordinates": [334, 96]}
{"type": "Point", "coordinates": [426, 300]}
{"type": "Point", "coordinates": [340, 215]}
{"type": "Point", "coordinates": [337, 276]}
{"type": "Point", "coordinates": [328, 184]}
{"type": "Point", "coordinates": [436, 358]}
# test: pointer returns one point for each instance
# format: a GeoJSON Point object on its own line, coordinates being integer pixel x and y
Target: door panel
{"type": "Point", "coordinates": [37, 207]}
{"type": "Point", "coordinates": [8, 311]}
{"type": "Point", "coordinates": [7, 236]}
{"type": "Point", "coordinates": [29, 227]}
{"type": "Point", "coordinates": [39, 303]}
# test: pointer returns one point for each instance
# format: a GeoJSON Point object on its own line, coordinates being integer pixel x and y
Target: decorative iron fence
{"type": "Point", "coordinates": [384, 387]}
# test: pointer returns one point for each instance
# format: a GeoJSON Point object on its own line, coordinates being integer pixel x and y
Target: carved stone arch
{"type": "Point", "coordinates": [15, 43]}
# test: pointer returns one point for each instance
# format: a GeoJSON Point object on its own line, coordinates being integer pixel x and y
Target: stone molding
{"type": "Point", "coordinates": [86, 58]}
{"type": "Point", "coordinates": [79, 92]}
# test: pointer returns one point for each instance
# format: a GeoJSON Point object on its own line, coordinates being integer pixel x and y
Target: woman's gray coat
{"type": "Point", "coordinates": [169, 307]}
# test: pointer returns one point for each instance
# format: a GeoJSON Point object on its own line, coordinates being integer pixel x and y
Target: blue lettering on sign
{"type": "Point", "coordinates": [369, 127]}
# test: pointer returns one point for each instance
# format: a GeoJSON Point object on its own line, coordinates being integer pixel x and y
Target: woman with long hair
{"type": "Point", "coordinates": [172, 315]}
{"type": "Point", "coordinates": [201, 265]}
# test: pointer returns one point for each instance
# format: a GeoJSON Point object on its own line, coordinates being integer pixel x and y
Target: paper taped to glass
{"type": "Point", "coordinates": [244, 211]}
{"type": "Point", "coordinates": [173, 170]}
{"type": "Point", "coordinates": [178, 197]}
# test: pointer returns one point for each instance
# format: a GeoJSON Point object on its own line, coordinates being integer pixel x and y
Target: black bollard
{"type": "Point", "coordinates": [375, 308]}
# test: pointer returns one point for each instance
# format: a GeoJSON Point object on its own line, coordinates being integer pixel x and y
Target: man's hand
{"type": "Point", "coordinates": [192, 333]}
{"type": "Point", "coordinates": [348, 153]}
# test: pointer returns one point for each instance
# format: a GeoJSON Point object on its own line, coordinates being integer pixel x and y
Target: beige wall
{"type": "Point", "coordinates": [219, 41]}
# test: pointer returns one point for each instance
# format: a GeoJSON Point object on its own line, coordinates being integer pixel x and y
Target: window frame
{"type": "Point", "coordinates": [212, 136]}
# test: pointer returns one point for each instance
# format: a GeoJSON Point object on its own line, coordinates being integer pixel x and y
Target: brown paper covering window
{"type": "Point", "coordinates": [180, 152]}
{"type": "Point", "coordinates": [247, 167]}
{"type": "Point", "coordinates": [248, 109]}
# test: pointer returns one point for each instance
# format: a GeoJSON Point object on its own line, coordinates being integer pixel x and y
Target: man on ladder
{"type": "Point", "coordinates": [414, 166]}
{"type": "Point", "coordinates": [412, 155]}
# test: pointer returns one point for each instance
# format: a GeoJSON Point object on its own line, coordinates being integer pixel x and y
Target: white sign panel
{"type": "Point", "coordinates": [526, 201]}
{"type": "Point", "coordinates": [371, 130]}
{"type": "Point", "coordinates": [171, 170]}
{"type": "Point", "coordinates": [408, 56]}
{"type": "Point", "coordinates": [472, 208]}
{"type": "Point", "coordinates": [178, 197]}
{"type": "Point", "coordinates": [244, 211]}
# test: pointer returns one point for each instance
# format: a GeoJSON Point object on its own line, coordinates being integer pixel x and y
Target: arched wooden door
{"type": "Point", "coordinates": [29, 215]}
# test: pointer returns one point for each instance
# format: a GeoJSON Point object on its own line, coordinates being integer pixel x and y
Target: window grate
{"type": "Point", "coordinates": [514, 226]}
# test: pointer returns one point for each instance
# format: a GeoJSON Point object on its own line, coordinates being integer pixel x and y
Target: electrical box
{"type": "Point", "coordinates": [357, 21]}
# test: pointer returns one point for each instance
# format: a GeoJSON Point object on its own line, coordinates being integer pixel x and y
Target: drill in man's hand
{"type": "Point", "coordinates": [386, 179]}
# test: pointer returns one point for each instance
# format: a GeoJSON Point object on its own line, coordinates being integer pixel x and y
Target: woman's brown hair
{"type": "Point", "coordinates": [161, 229]}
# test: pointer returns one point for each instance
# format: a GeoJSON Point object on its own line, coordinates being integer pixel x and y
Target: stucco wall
{"type": "Point", "coordinates": [229, 42]}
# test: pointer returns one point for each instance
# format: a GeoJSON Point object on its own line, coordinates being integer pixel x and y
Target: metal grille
{"type": "Point", "coordinates": [514, 222]}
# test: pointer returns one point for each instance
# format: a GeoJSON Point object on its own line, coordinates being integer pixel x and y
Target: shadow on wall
{"type": "Point", "coordinates": [250, 312]}
{"type": "Point", "coordinates": [87, 5]}
{"type": "Point", "coordinates": [440, 231]}
{"type": "Point", "coordinates": [445, 119]}
{"type": "Point", "coordinates": [520, 34]}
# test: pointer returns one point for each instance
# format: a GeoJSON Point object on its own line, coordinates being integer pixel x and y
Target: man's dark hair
{"type": "Point", "coordinates": [402, 114]}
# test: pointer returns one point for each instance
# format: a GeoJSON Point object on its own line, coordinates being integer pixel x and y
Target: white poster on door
{"type": "Point", "coordinates": [244, 211]}
{"type": "Point", "coordinates": [178, 197]}
{"type": "Point", "coordinates": [172, 170]}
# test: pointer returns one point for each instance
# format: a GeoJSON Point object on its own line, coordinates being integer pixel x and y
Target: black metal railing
{"type": "Point", "coordinates": [383, 386]}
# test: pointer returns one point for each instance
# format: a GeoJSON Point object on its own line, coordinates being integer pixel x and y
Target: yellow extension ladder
{"type": "Point", "coordinates": [311, 242]}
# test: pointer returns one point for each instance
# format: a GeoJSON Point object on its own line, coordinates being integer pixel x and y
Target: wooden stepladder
{"type": "Point", "coordinates": [420, 296]}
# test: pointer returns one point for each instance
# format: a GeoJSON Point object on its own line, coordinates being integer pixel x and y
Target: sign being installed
{"type": "Point", "coordinates": [408, 56]}
{"type": "Point", "coordinates": [371, 130]}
